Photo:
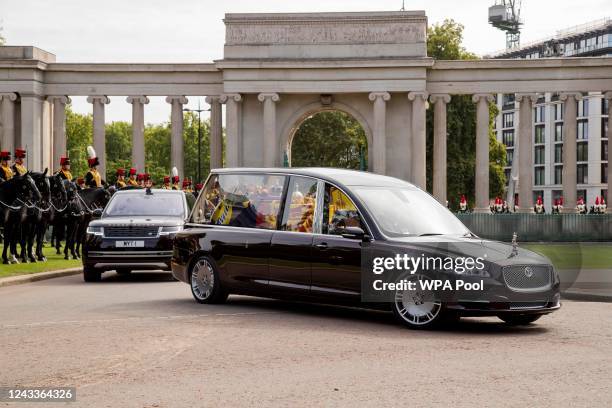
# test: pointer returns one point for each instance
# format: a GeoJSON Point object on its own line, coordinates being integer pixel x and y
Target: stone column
{"type": "Point", "coordinates": [31, 130]}
{"type": "Point", "coordinates": [271, 155]}
{"type": "Point", "coordinates": [379, 148]}
{"type": "Point", "coordinates": [177, 156]}
{"type": "Point", "coordinates": [7, 119]}
{"type": "Point", "coordinates": [482, 151]}
{"type": "Point", "coordinates": [419, 147]}
{"type": "Point", "coordinates": [569, 151]}
{"type": "Point", "coordinates": [525, 151]}
{"type": "Point", "coordinates": [439, 146]}
{"type": "Point", "coordinates": [608, 96]}
{"type": "Point", "coordinates": [99, 130]}
{"type": "Point", "coordinates": [233, 129]}
{"type": "Point", "coordinates": [59, 127]}
{"type": "Point", "coordinates": [138, 142]}
{"type": "Point", "coordinates": [216, 131]}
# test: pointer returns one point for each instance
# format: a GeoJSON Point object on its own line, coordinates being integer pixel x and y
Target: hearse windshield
{"type": "Point", "coordinates": [142, 204]}
{"type": "Point", "coordinates": [400, 212]}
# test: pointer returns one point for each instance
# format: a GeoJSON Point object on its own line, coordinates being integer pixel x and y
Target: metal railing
{"type": "Point", "coordinates": [541, 227]}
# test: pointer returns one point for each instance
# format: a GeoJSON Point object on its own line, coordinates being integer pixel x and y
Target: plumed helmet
{"type": "Point", "coordinates": [20, 153]}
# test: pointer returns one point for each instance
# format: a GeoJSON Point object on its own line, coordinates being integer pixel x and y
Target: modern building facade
{"type": "Point", "coordinates": [279, 69]}
{"type": "Point", "coordinates": [593, 39]}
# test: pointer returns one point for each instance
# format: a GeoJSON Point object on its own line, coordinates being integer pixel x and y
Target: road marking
{"type": "Point", "coordinates": [126, 319]}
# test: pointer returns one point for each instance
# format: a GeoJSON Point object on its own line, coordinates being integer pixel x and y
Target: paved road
{"type": "Point", "coordinates": [143, 342]}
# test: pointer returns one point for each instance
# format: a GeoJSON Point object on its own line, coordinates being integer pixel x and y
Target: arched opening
{"type": "Point", "coordinates": [328, 138]}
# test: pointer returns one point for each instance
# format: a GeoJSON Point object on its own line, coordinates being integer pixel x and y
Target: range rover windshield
{"type": "Point", "coordinates": [408, 211]}
{"type": "Point", "coordinates": [141, 204]}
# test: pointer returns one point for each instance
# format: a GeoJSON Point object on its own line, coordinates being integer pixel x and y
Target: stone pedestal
{"type": "Point", "coordinates": [216, 132]}
{"type": "Point", "coordinates": [525, 154]}
{"type": "Point", "coordinates": [439, 146]}
{"type": "Point", "coordinates": [59, 128]}
{"type": "Point", "coordinates": [482, 152]}
{"type": "Point", "coordinates": [379, 148]}
{"type": "Point", "coordinates": [138, 142]}
{"type": "Point", "coordinates": [177, 155]}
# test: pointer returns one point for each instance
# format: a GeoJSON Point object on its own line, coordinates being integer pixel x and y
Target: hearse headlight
{"type": "Point", "coordinates": [170, 230]}
{"type": "Point", "coordinates": [97, 231]}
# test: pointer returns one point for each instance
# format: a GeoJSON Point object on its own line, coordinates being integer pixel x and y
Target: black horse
{"type": "Point", "coordinates": [16, 197]}
{"type": "Point", "coordinates": [93, 201]}
{"type": "Point", "coordinates": [35, 213]}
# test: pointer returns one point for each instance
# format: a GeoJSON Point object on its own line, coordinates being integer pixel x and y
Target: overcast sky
{"type": "Point", "coordinates": [193, 31]}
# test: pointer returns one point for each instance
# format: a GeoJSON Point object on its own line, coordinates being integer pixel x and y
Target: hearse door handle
{"type": "Point", "coordinates": [322, 245]}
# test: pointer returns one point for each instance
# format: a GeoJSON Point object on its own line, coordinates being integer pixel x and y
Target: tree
{"type": "Point", "coordinates": [330, 139]}
{"type": "Point", "coordinates": [118, 148]}
{"type": "Point", "coordinates": [79, 134]}
{"type": "Point", "coordinates": [444, 43]}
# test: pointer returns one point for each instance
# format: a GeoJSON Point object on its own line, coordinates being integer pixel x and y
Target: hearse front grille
{"type": "Point", "coordinates": [528, 278]}
{"type": "Point", "coordinates": [131, 231]}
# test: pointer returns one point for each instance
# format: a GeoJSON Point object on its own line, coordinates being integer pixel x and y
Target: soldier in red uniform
{"type": "Point", "coordinates": [18, 167]}
{"type": "Point", "coordinates": [6, 173]}
{"type": "Point", "coordinates": [120, 179]}
{"type": "Point", "coordinates": [167, 185]}
{"type": "Point", "coordinates": [132, 178]}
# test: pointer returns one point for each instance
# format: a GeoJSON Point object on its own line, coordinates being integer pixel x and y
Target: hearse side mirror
{"type": "Point", "coordinates": [355, 233]}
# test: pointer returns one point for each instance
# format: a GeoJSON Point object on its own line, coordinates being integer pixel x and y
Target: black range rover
{"type": "Point", "coordinates": [303, 234]}
{"type": "Point", "coordinates": [135, 232]}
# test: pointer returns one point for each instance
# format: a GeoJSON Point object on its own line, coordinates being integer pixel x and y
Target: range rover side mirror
{"type": "Point", "coordinates": [355, 233]}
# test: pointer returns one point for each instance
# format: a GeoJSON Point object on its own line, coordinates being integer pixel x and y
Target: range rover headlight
{"type": "Point", "coordinates": [97, 231]}
{"type": "Point", "coordinates": [170, 230]}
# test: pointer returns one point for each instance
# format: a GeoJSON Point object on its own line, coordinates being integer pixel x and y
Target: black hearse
{"type": "Point", "coordinates": [303, 233]}
{"type": "Point", "coordinates": [135, 232]}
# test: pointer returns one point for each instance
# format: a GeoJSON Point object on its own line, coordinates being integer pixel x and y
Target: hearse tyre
{"type": "Point", "coordinates": [205, 281]}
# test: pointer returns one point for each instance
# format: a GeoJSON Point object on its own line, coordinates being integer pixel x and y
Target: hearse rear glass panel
{"type": "Point", "coordinates": [240, 200]}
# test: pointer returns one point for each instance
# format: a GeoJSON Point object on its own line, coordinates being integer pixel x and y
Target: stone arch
{"type": "Point", "coordinates": [300, 115]}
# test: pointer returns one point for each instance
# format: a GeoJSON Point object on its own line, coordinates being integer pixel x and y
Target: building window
{"type": "Point", "coordinates": [583, 129]}
{"type": "Point", "coordinates": [539, 155]}
{"type": "Point", "coordinates": [509, 157]}
{"type": "Point", "coordinates": [507, 175]}
{"type": "Point", "coordinates": [559, 153]}
{"type": "Point", "coordinates": [508, 137]}
{"type": "Point", "coordinates": [582, 152]}
{"type": "Point", "coordinates": [583, 108]}
{"type": "Point", "coordinates": [508, 120]}
{"type": "Point", "coordinates": [558, 111]}
{"type": "Point", "coordinates": [582, 173]}
{"type": "Point", "coordinates": [604, 172]}
{"type": "Point", "coordinates": [558, 132]}
{"type": "Point", "coordinates": [558, 174]}
{"type": "Point", "coordinates": [508, 101]}
{"type": "Point", "coordinates": [539, 176]}
{"type": "Point", "coordinates": [557, 195]}
{"type": "Point", "coordinates": [604, 106]}
{"type": "Point", "coordinates": [604, 150]}
{"type": "Point", "coordinates": [540, 114]}
{"type": "Point", "coordinates": [604, 128]}
{"type": "Point", "coordinates": [539, 134]}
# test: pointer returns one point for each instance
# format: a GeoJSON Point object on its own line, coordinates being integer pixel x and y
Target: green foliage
{"type": "Point", "coordinates": [444, 42]}
{"type": "Point", "coordinates": [329, 139]}
{"type": "Point", "coordinates": [79, 131]}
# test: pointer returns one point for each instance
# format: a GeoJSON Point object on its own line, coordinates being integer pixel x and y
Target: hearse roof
{"type": "Point", "coordinates": [341, 176]}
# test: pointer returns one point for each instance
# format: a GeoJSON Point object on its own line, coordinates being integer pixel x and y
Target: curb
{"type": "Point", "coordinates": [34, 277]}
{"type": "Point", "coordinates": [586, 297]}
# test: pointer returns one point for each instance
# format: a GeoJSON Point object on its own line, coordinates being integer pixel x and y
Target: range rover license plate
{"type": "Point", "coordinates": [129, 244]}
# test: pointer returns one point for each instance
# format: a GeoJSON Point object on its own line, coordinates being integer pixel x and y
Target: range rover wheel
{"type": "Point", "coordinates": [205, 282]}
{"type": "Point", "coordinates": [417, 309]}
{"type": "Point", "coordinates": [91, 274]}
{"type": "Point", "coordinates": [519, 320]}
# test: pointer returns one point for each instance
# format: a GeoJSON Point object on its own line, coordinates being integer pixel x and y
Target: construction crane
{"type": "Point", "coordinates": [506, 16]}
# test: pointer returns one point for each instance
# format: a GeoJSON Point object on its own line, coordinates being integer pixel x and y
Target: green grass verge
{"type": "Point", "coordinates": [575, 255]}
{"type": "Point", "coordinates": [54, 263]}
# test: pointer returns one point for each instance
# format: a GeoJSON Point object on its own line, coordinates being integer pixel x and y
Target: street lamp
{"type": "Point", "coordinates": [199, 111]}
